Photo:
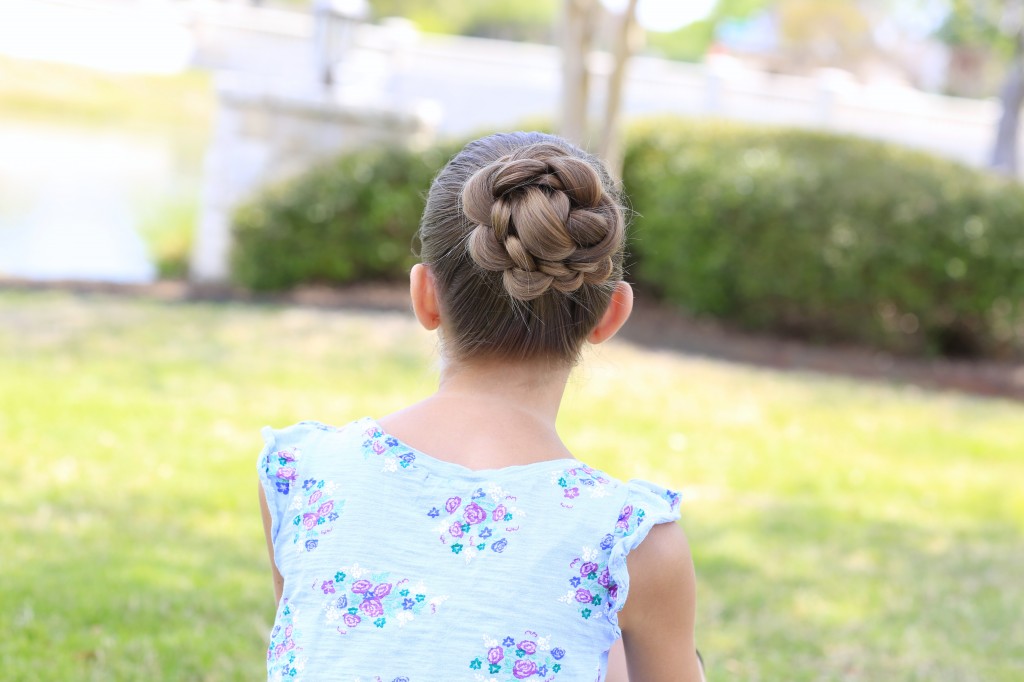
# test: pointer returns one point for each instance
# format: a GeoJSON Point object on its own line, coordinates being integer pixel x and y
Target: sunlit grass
{"type": "Point", "coordinates": [841, 530]}
{"type": "Point", "coordinates": [59, 93]}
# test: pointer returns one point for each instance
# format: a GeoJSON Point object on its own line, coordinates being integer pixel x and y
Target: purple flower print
{"type": "Point", "coordinates": [508, 641]}
{"type": "Point", "coordinates": [495, 655]}
{"type": "Point", "coordinates": [583, 596]}
{"type": "Point", "coordinates": [499, 546]}
{"type": "Point", "coordinates": [287, 473]}
{"type": "Point", "coordinates": [361, 586]}
{"type": "Point", "coordinates": [485, 533]}
{"type": "Point", "coordinates": [455, 530]}
{"type": "Point", "coordinates": [613, 590]}
{"type": "Point", "coordinates": [282, 487]}
{"type": "Point", "coordinates": [624, 515]}
{"type": "Point", "coordinates": [572, 492]}
{"type": "Point", "coordinates": [607, 542]}
{"type": "Point", "coordinates": [474, 513]}
{"type": "Point", "coordinates": [382, 590]}
{"type": "Point", "coordinates": [286, 456]}
{"type": "Point", "coordinates": [557, 653]}
{"type": "Point", "coordinates": [308, 483]}
{"type": "Point", "coordinates": [372, 607]}
{"type": "Point", "coordinates": [327, 586]}
{"type": "Point", "coordinates": [499, 513]}
{"type": "Point", "coordinates": [605, 579]}
{"type": "Point", "coordinates": [528, 646]}
{"type": "Point", "coordinates": [452, 504]}
{"type": "Point", "coordinates": [588, 568]}
{"type": "Point", "coordinates": [317, 494]}
{"type": "Point", "coordinates": [351, 620]}
{"type": "Point", "coordinates": [523, 669]}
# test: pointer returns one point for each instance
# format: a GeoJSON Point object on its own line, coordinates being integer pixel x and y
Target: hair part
{"type": "Point", "coordinates": [524, 234]}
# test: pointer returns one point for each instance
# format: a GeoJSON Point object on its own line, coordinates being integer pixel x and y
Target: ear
{"type": "Point", "coordinates": [615, 316]}
{"type": "Point", "coordinates": [424, 297]}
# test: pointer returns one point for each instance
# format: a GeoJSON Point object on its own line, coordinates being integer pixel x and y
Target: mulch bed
{"type": "Point", "coordinates": [652, 325]}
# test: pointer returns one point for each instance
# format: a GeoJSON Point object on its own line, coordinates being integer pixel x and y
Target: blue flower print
{"type": "Point", "coordinates": [607, 542]}
{"type": "Point", "coordinates": [521, 660]}
{"type": "Point", "coordinates": [481, 518]}
{"type": "Point", "coordinates": [571, 480]}
{"type": "Point", "coordinates": [311, 545]}
{"type": "Point", "coordinates": [282, 487]}
{"type": "Point", "coordinates": [557, 654]}
{"type": "Point", "coordinates": [389, 449]}
{"type": "Point", "coordinates": [308, 483]}
{"type": "Point", "coordinates": [575, 581]}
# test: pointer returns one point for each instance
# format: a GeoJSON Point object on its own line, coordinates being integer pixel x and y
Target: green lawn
{"type": "Point", "coordinates": [841, 530]}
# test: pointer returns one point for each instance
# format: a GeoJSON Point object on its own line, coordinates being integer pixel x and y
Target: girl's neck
{"type": "Point", "coordinates": [531, 389]}
{"type": "Point", "coordinates": [488, 415]}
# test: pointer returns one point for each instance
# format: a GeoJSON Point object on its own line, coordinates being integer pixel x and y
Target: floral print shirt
{"type": "Point", "coordinates": [400, 567]}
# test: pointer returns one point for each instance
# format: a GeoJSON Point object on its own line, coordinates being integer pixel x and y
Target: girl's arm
{"type": "Point", "coordinates": [657, 620]}
{"type": "Point", "coordinates": [278, 579]}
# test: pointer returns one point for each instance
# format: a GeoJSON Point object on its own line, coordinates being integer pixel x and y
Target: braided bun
{"type": "Point", "coordinates": [544, 220]}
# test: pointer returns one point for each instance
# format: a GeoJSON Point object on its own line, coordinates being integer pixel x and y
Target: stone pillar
{"type": "Point", "coordinates": [263, 135]}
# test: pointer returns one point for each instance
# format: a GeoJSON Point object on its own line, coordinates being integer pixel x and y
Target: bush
{"type": "Point", "coordinates": [828, 237]}
{"type": "Point", "coordinates": [351, 219]}
{"type": "Point", "coordinates": [791, 232]}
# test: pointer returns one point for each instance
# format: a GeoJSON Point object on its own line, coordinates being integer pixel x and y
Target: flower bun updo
{"type": "Point", "coordinates": [524, 234]}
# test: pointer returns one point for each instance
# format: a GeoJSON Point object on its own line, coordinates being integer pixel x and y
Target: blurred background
{"type": "Point", "coordinates": [206, 214]}
{"type": "Point", "coordinates": [132, 129]}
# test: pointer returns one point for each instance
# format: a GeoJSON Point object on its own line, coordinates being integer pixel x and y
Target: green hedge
{"type": "Point", "coordinates": [829, 237]}
{"type": "Point", "coordinates": [348, 220]}
{"type": "Point", "coordinates": [792, 232]}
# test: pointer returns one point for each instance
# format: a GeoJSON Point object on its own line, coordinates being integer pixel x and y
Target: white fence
{"type": "Point", "coordinates": [480, 84]}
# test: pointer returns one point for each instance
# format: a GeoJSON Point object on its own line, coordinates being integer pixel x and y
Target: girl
{"type": "Point", "coordinates": [458, 539]}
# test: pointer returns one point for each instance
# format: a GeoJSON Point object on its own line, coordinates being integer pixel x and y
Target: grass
{"type": "Point", "coordinates": [841, 530]}
{"type": "Point", "coordinates": [65, 94]}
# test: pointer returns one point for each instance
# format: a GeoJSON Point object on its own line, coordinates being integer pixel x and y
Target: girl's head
{"type": "Point", "coordinates": [523, 235]}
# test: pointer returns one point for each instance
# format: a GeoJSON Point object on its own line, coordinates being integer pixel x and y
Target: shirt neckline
{"type": "Point", "coordinates": [466, 472]}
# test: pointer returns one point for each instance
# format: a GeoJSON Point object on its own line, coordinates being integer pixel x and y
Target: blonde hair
{"type": "Point", "coordinates": [524, 234]}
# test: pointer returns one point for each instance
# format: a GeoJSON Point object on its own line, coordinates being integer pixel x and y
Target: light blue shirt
{"type": "Point", "coordinates": [402, 567]}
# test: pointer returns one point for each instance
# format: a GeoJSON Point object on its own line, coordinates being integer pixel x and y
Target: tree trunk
{"type": "Point", "coordinates": [611, 133]}
{"type": "Point", "coordinates": [1004, 155]}
{"type": "Point", "coordinates": [577, 37]}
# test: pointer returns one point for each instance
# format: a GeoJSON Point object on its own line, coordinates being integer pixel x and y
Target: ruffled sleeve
{"type": "Point", "coordinates": [279, 472]}
{"type": "Point", "coordinates": [645, 506]}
